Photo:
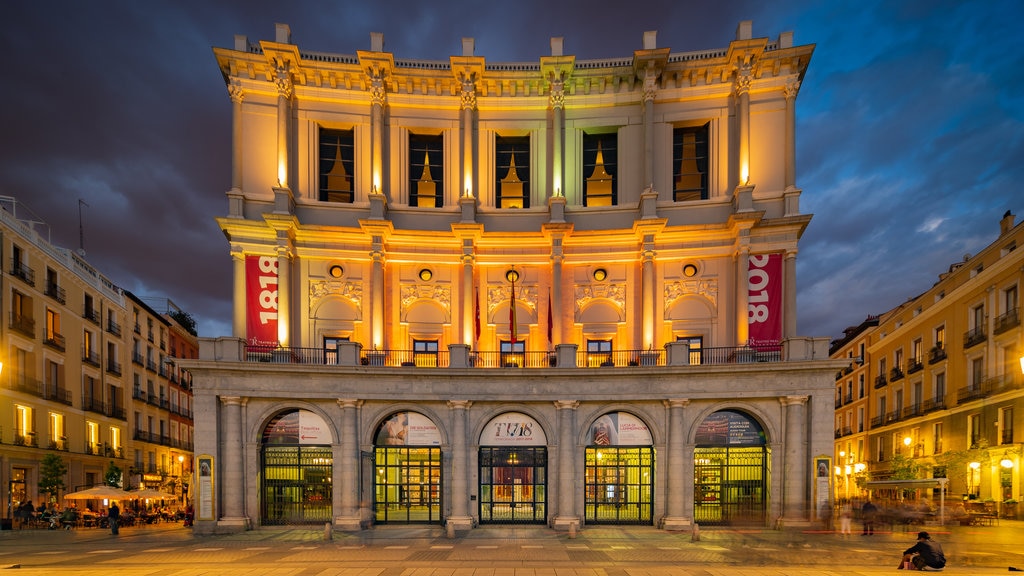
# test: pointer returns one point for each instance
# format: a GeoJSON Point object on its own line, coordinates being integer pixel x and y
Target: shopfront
{"type": "Point", "coordinates": [619, 471]}
{"type": "Point", "coordinates": [407, 470]}
{"type": "Point", "coordinates": [513, 461]}
{"type": "Point", "coordinates": [296, 470]}
{"type": "Point", "coordinates": [730, 471]}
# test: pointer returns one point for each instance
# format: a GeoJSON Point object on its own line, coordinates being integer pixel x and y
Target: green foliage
{"type": "Point", "coordinates": [903, 468]}
{"type": "Point", "coordinates": [113, 475]}
{"type": "Point", "coordinates": [185, 320]}
{"type": "Point", "coordinates": [51, 475]}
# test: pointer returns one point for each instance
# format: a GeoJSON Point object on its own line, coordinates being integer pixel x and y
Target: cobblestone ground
{"type": "Point", "coordinates": [170, 549]}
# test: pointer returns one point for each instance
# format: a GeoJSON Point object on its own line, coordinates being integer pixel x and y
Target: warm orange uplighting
{"type": "Point", "coordinates": [745, 175]}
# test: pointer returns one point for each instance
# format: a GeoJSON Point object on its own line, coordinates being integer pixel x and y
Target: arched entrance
{"type": "Point", "coordinates": [407, 470]}
{"type": "Point", "coordinates": [297, 468]}
{"type": "Point", "coordinates": [513, 463]}
{"type": "Point", "coordinates": [619, 471]}
{"type": "Point", "coordinates": [730, 470]}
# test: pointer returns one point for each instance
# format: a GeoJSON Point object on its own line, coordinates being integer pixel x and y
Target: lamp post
{"type": "Point", "coordinates": [972, 483]}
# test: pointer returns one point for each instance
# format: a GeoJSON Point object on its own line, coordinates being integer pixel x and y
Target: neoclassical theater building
{"type": "Point", "coordinates": [559, 292]}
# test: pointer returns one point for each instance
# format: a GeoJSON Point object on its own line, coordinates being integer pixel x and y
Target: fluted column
{"type": "Point", "coordinates": [790, 92]}
{"type": "Point", "coordinates": [377, 296]}
{"type": "Point", "coordinates": [742, 294]}
{"type": "Point", "coordinates": [469, 300]}
{"type": "Point", "coordinates": [794, 489]}
{"type": "Point", "coordinates": [743, 80]}
{"type": "Point", "coordinates": [233, 468]}
{"type": "Point", "coordinates": [648, 293]}
{"type": "Point", "coordinates": [556, 100]}
{"type": "Point", "coordinates": [378, 98]}
{"type": "Point", "coordinates": [283, 81]}
{"type": "Point", "coordinates": [237, 95]}
{"type": "Point", "coordinates": [566, 464]}
{"type": "Point", "coordinates": [348, 465]}
{"type": "Point", "coordinates": [649, 93]}
{"type": "Point", "coordinates": [556, 294]}
{"type": "Point", "coordinates": [467, 128]}
{"type": "Point", "coordinates": [238, 292]}
{"type": "Point", "coordinates": [284, 302]}
{"type": "Point", "coordinates": [676, 475]}
{"type": "Point", "coordinates": [789, 296]}
{"type": "Point", "coordinates": [460, 518]}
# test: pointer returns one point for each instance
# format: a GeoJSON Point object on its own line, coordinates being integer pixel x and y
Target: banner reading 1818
{"type": "Point", "coordinates": [764, 303]}
{"type": "Point", "coordinates": [261, 301]}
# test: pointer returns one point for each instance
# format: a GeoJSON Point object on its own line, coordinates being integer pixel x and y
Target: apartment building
{"type": "Point", "coordinates": [558, 292]}
{"type": "Point", "coordinates": [66, 382]}
{"type": "Point", "coordinates": [939, 380]}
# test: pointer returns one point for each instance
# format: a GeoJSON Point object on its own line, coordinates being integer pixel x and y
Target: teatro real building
{"type": "Point", "coordinates": [558, 292]}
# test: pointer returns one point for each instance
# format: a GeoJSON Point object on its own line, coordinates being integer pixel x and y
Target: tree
{"type": "Point", "coordinates": [185, 320]}
{"type": "Point", "coordinates": [113, 475]}
{"type": "Point", "coordinates": [51, 475]}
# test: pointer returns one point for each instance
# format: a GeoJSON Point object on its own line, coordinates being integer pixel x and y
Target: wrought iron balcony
{"type": "Point", "coordinates": [23, 324]}
{"type": "Point", "coordinates": [56, 292]}
{"type": "Point", "coordinates": [55, 341]}
{"type": "Point", "coordinates": [1007, 321]}
{"type": "Point", "coordinates": [936, 354]}
{"type": "Point", "coordinates": [22, 271]}
{"type": "Point", "coordinates": [974, 336]}
{"type": "Point", "coordinates": [914, 365]}
{"type": "Point", "coordinates": [92, 315]}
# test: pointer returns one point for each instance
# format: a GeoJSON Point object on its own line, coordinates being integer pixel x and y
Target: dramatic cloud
{"type": "Point", "coordinates": [910, 137]}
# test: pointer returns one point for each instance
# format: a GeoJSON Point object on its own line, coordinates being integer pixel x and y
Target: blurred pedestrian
{"type": "Point", "coordinates": [868, 512]}
{"type": "Point", "coordinates": [113, 515]}
{"type": "Point", "coordinates": [845, 518]}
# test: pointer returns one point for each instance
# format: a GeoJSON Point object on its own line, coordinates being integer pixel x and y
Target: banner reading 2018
{"type": "Point", "coordinates": [261, 301]}
{"type": "Point", "coordinates": [764, 303]}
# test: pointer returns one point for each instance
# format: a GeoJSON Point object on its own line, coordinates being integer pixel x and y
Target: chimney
{"type": "Point", "coordinates": [376, 41]}
{"type": "Point", "coordinates": [650, 40]}
{"type": "Point", "coordinates": [468, 44]}
{"type": "Point", "coordinates": [745, 30]}
{"type": "Point", "coordinates": [283, 34]}
{"type": "Point", "coordinates": [1006, 224]}
{"type": "Point", "coordinates": [556, 46]}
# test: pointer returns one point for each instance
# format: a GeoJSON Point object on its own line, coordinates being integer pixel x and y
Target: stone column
{"type": "Point", "coordinates": [238, 292]}
{"type": "Point", "coordinates": [794, 489]}
{"type": "Point", "coordinates": [556, 292]}
{"type": "Point", "coordinates": [284, 296]}
{"type": "Point", "coordinates": [566, 518]}
{"type": "Point", "coordinates": [649, 93]}
{"type": "Point", "coordinates": [377, 295]}
{"type": "Point", "coordinates": [348, 475]}
{"type": "Point", "coordinates": [378, 98]}
{"type": "Point", "coordinates": [676, 476]}
{"type": "Point", "coordinates": [237, 95]}
{"type": "Point", "coordinates": [467, 128]}
{"type": "Point", "coordinates": [556, 100]}
{"type": "Point", "coordinates": [460, 518]}
{"type": "Point", "coordinates": [648, 293]}
{"type": "Point", "coordinates": [469, 297]}
{"type": "Point", "coordinates": [744, 78]}
{"type": "Point", "coordinates": [742, 293]}
{"type": "Point", "coordinates": [283, 81]}
{"type": "Point", "coordinates": [232, 485]}
{"type": "Point", "coordinates": [789, 296]}
{"type": "Point", "coordinates": [790, 92]}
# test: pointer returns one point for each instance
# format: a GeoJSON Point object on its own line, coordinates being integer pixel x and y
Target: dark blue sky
{"type": "Point", "coordinates": [910, 141]}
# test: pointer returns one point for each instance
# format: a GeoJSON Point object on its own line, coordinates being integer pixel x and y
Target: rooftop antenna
{"type": "Point", "coordinates": [81, 231]}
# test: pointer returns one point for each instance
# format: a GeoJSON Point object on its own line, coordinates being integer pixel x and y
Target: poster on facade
{"type": "Point", "coordinates": [727, 428]}
{"type": "Point", "coordinates": [204, 504]}
{"type": "Point", "coordinates": [619, 429]}
{"type": "Point", "coordinates": [764, 301]}
{"type": "Point", "coordinates": [513, 429]}
{"type": "Point", "coordinates": [408, 429]}
{"type": "Point", "coordinates": [822, 487]}
{"type": "Point", "coordinates": [261, 301]}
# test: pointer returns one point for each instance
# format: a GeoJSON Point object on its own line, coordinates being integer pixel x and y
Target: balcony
{"type": "Point", "coordinates": [55, 341]}
{"type": "Point", "coordinates": [90, 357]}
{"type": "Point", "coordinates": [21, 383]}
{"type": "Point", "coordinates": [26, 274]}
{"type": "Point", "coordinates": [113, 367]}
{"type": "Point", "coordinates": [58, 394]}
{"type": "Point", "coordinates": [56, 292]}
{"type": "Point", "coordinates": [933, 404]}
{"type": "Point", "coordinates": [24, 324]}
{"type": "Point", "coordinates": [117, 412]}
{"type": "Point", "coordinates": [113, 327]}
{"type": "Point", "coordinates": [974, 336]}
{"type": "Point", "coordinates": [138, 359]}
{"type": "Point", "coordinates": [60, 444]}
{"type": "Point", "coordinates": [139, 394]}
{"type": "Point", "coordinates": [94, 405]}
{"type": "Point", "coordinates": [26, 439]}
{"type": "Point", "coordinates": [970, 393]}
{"type": "Point", "coordinates": [94, 449]}
{"type": "Point", "coordinates": [880, 381]}
{"type": "Point", "coordinates": [913, 411]}
{"type": "Point", "coordinates": [1007, 321]}
{"type": "Point", "coordinates": [92, 315]}
{"type": "Point", "coordinates": [914, 365]}
{"type": "Point", "coordinates": [936, 354]}
{"type": "Point", "coordinates": [895, 374]}
{"type": "Point", "coordinates": [877, 422]}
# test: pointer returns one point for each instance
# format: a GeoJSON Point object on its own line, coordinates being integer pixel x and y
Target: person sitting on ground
{"type": "Point", "coordinates": [925, 555]}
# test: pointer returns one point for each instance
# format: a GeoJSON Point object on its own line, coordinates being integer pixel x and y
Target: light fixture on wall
{"type": "Point", "coordinates": [336, 271]}
{"type": "Point", "coordinates": [512, 275]}
{"type": "Point", "coordinates": [426, 274]}
{"type": "Point", "coordinates": [600, 274]}
{"type": "Point", "coordinates": [689, 270]}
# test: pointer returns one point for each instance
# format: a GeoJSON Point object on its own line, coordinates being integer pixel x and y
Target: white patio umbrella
{"type": "Point", "coordinates": [99, 493]}
{"type": "Point", "coordinates": [151, 494]}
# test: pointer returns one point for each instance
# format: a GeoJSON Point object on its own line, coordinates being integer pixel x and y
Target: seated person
{"type": "Point", "coordinates": [925, 555]}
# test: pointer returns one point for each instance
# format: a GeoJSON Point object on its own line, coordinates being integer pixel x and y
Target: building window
{"type": "Point", "coordinates": [512, 171]}
{"type": "Point", "coordinates": [92, 438]}
{"type": "Point", "coordinates": [426, 170]}
{"type": "Point", "coordinates": [24, 426]}
{"type": "Point", "coordinates": [599, 353]}
{"type": "Point", "coordinates": [974, 431]}
{"type": "Point", "coordinates": [940, 388]}
{"type": "Point", "coordinates": [337, 151]}
{"type": "Point", "coordinates": [425, 353]}
{"type": "Point", "coordinates": [880, 448]}
{"type": "Point", "coordinates": [937, 438]}
{"type": "Point", "coordinates": [600, 167]}
{"type": "Point", "coordinates": [977, 373]}
{"type": "Point", "coordinates": [696, 346]}
{"type": "Point", "coordinates": [1006, 426]}
{"type": "Point", "coordinates": [690, 163]}
{"type": "Point", "coordinates": [940, 337]}
{"type": "Point", "coordinates": [58, 435]}
{"type": "Point", "coordinates": [860, 386]}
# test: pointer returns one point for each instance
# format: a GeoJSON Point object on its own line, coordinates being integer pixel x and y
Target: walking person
{"type": "Point", "coordinates": [868, 512]}
{"type": "Point", "coordinates": [925, 555]}
{"type": "Point", "coordinates": [845, 519]}
{"type": "Point", "coordinates": [113, 514]}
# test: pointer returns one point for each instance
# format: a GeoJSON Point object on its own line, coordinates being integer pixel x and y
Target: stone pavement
{"type": "Point", "coordinates": [170, 549]}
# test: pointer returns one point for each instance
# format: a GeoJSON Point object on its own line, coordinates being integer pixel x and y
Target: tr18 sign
{"type": "Point", "coordinates": [764, 302]}
{"type": "Point", "coordinates": [261, 300]}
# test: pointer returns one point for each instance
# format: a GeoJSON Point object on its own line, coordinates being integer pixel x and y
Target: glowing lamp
{"type": "Point", "coordinates": [1006, 463]}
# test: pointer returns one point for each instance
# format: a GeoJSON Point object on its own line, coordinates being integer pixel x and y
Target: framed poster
{"type": "Point", "coordinates": [822, 487]}
{"type": "Point", "coordinates": [204, 495]}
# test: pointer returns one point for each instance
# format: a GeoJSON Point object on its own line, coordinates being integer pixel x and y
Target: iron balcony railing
{"type": "Point", "coordinates": [505, 359]}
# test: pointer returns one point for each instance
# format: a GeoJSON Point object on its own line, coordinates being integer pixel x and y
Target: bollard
{"type": "Point", "coordinates": [451, 530]}
{"type": "Point", "coordinates": [328, 534]}
{"type": "Point", "coordinates": [572, 531]}
{"type": "Point", "coordinates": [695, 535]}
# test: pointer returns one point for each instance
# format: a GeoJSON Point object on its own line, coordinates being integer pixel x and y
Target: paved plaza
{"type": "Point", "coordinates": [170, 549]}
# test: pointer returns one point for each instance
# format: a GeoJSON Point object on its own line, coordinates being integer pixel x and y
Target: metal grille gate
{"type": "Point", "coordinates": [730, 485]}
{"type": "Point", "coordinates": [513, 485]}
{"type": "Point", "coordinates": [296, 485]}
{"type": "Point", "coordinates": [619, 486]}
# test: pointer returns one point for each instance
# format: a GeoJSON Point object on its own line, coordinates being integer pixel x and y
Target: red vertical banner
{"type": "Point", "coordinates": [261, 301]}
{"type": "Point", "coordinates": [764, 300]}
{"type": "Point", "coordinates": [476, 318]}
{"type": "Point", "coordinates": [550, 319]}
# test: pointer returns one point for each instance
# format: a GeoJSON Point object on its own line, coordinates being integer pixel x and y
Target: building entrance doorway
{"type": "Point", "coordinates": [730, 471]}
{"type": "Point", "coordinates": [513, 464]}
{"type": "Point", "coordinates": [296, 474]}
{"type": "Point", "coordinates": [407, 470]}
{"type": "Point", "coordinates": [619, 471]}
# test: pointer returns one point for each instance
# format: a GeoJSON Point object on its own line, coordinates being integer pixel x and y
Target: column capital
{"type": "Point", "coordinates": [236, 92]}
{"type": "Point", "coordinates": [566, 404]}
{"type": "Point", "coordinates": [744, 78]}
{"type": "Point", "coordinates": [459, 404]}
{"type": "Point", "coordinates": [349, 403]}
{"type": "Point", "coordinates": [791, 89]}
{"type": "Point", "coordinates": [676, 402]}
{"type": "Point", "coordinates": [232, 400]}
{"type": "Point", "coordinates": [793, 400]}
